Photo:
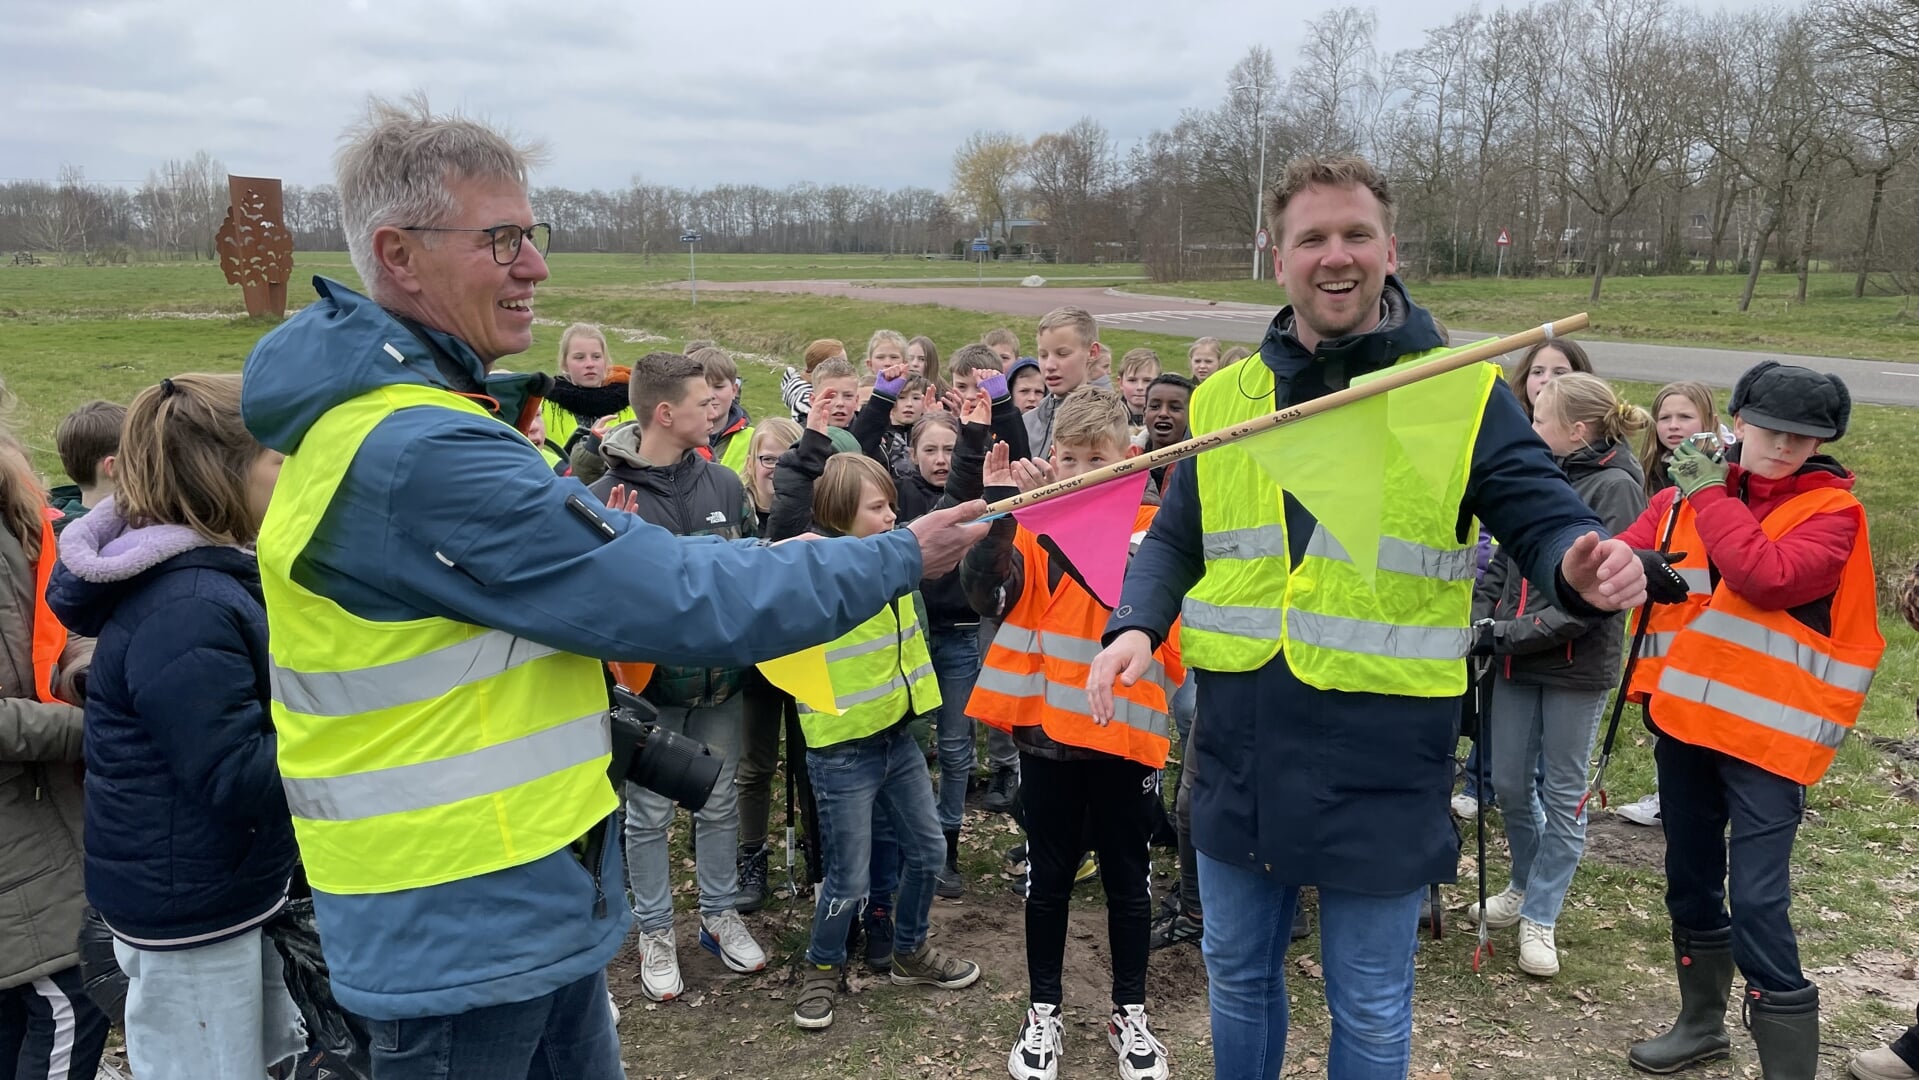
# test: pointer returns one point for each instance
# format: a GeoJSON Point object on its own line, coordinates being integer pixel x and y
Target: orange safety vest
{"type": "Point", "coordinates": [1035, 673]}
{"type": "Point", "coordinates": [1668, 619]}
{"type": "Point", "coordinates": [1760, 685]}
{"type": "Point", "coordinates": [49, 637]}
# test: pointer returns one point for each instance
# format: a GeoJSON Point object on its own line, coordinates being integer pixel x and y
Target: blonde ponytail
{"type": "Point", "coordinates": [1579, 398]}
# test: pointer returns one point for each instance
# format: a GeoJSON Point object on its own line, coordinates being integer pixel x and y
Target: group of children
{"type": "Point", "coordinates": [1764, 619]}
{"type": "Point", "coordinates": [1002, 642]}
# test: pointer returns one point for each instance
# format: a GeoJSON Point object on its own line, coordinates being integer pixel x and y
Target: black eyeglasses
{"type": "Point", "coordinates": [768, 460]}
{"type": "Point", "coordinates": [506, 238]}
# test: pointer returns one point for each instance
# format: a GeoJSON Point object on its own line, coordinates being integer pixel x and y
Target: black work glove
{"type": "Point", "coordinates": [1483, 638]}
{"type": "Point", "coordinates": [1663, 583]}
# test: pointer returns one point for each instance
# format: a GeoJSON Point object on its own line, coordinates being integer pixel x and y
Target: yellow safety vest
{"type": "Point", "coordinates": [881, 673]}
{"type": "Point", "coordinates": [561, 423]}
{"type": "Point", "coordinates": [1407, 631]}
{"type": "Point", "coordinates": [420, 752]}
{"type": "Point", "coordinates": [736, 446]}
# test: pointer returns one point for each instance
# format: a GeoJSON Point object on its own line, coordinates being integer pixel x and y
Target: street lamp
{"type": "Point", "coordinates": [1259, 193]}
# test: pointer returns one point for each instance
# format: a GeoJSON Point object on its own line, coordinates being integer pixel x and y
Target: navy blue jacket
{"type": "Point", "coordinates": [188, 840]}
{"type": "Point", "coordinates": [1318, 787]}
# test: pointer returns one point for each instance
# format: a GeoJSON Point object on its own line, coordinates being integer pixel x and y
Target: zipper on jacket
{"type": "Point", "coordinates": [899, 656]}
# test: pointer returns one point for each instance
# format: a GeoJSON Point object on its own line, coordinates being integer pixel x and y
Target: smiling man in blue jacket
{"type": "Point", "coordinates": [1331, 696]}
{"type": "Point", "coordinates": [439, 603]}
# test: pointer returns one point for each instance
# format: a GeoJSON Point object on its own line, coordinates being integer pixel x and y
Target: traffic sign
{"type": "Point", "coordinates": [981, 245]}
{"type": "Point", "coordinates": [1505, 239]}
{"type": "Point", "coordinates": [1262, 239]}
{"type": "Point", "coordinates": [689, 238]}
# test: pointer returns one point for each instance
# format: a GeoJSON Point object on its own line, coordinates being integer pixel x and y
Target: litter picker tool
{"type": "Point", "coordinates": [1625, 680]}
{"type": "Point", "coordinates": [1392, 379]}
{"type": "Point", "coordinates": [1481, 671]}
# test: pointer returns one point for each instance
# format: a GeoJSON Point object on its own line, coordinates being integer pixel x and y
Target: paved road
{"type": "Point", "coordinates": [1882, 382]}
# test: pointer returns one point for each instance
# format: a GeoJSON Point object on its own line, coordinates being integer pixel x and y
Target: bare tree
{"type": "Point", "coordinates": [984, 171]}
{"type": "Point", "coordinates": [1334, 75]}
{"type": "Point", "coordinates": [1618, 112]}
{"type": "Point", "coordinates": [1069, 172]}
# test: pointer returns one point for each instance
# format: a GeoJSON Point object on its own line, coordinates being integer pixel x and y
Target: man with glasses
{"type": "Point", "coordinates": [439, 603]}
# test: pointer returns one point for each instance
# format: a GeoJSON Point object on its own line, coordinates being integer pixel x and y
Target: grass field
{"type": "Point", "coordinates": [1687, 310]}
{"type": "Point", "coordinates": [70, 335]}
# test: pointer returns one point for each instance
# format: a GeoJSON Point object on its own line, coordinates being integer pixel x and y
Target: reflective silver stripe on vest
{"type": "Point", "coordinates": [1260, 541]}
{"type": "Point", "coordinates": [403, 682]}
{"type": "Point", "coordinates": [1658, 644]}
{"type": "Point", "coordinates": [1698, 580]}
{"type": "Point", "coordinates": [1064, 647]}
{"type": "Point", "coordinates": [1748, 706]}
{"type": "Point", "coordinates": [427, 784]}
{"type": "Point", "coordinates": [1073, 699]}
{"type": "Point", "coordinates": [1761, 639]}
{"type": "Point", "coordinates": [1403, 557]}
{"type": "Point", "coordinates": [897, 682]}
{"type": "Point", "coordinates": [1265, 624]}
{"type": "Point", "coordinates": [1378, 639]}
{"type": "Point", "coordinates": [884, 641]}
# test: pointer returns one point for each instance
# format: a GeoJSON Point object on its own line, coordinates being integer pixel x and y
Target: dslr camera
{"type": "Point", "coordinates": [682, 769]}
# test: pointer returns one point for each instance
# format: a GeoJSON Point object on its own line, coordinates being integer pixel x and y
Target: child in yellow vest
{"type": "Point", "coordinates": [865, 758]}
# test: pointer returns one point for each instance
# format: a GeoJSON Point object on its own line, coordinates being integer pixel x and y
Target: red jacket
{"type": "Point", "coordinates": [1798, 568]}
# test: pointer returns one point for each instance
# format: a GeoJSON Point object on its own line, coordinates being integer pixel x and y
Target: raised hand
{"type": "Point", "coordinates": [816, 419]}
{"type": "Point", "coordinates": [623, 498]}
{"type": "Point", "coordinates": [1033, 473]}
{"type": "Point", "coordinates": [998, 470]}
{"type": "Point", "coordinates": [977, 410]}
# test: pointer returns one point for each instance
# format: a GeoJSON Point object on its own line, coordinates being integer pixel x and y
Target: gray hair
{"type": "Point", "coordinates": [394, 167]}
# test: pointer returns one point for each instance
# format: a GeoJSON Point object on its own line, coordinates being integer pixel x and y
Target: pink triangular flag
{"type": "Point", "coordinates": [1094, 530]}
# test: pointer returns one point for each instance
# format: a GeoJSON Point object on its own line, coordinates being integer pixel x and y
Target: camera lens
{"type": "Point", "coordinates": [675, 766]}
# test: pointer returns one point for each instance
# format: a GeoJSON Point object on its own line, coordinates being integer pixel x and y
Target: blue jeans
{"type": "Point", "coordinates": [1703, 794]}
{"type": "Point", "coordinates": [956, 661]}
{"type": "Point", "coordinates": [1542, 727]}
{"type": "Point", "coordinates": [213, 1010]}
{"type": "Point", "coordinates": [566, 1035]}
{"type": "Point", "coordinates": [716, 827]}
{"type": "Point", "coordinates": [1366, 946]}
{"type": "Point", "coordinates": [850, 780]}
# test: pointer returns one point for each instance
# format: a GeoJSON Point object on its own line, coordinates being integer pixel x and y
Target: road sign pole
{"type": "Point", "coordinates": [1499, 269]}
{"type": "Point", "coordinates": [693, 269]}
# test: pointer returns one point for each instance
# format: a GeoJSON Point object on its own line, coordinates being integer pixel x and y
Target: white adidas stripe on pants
{"type": "Point", "coordinates": [60, 1059]}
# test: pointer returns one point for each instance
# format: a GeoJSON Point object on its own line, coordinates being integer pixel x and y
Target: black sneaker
{"type": "Point", "coordinates": [1000, 791]}
{"type": "Point", "coordinates": [1176, 929]}
{"type": "Point", "coordinates": [753, 892]}
{"type": "Point", "coordinates": [949, 885]}
{"type": "Point", "coordinates": [1302, 924]}
{"type": "Point", "coordinates": [818, 987]}
{"type": "Point", "coordinates": [879, 939]}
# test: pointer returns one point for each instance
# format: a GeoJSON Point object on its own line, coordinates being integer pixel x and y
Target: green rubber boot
{"type": "Point", "coordinates": [1785, 1028]}
{"type": "Point", "coordinates": [1704, 960]}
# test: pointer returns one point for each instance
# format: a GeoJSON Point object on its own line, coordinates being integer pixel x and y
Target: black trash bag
{"type": "Point", "coordinates": [100, 973]}
{"type": "Point", "coordinates": [337, 1042]}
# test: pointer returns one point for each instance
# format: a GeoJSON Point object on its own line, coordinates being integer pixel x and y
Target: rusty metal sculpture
{"type": "Point", "coordinates": [256, 251]}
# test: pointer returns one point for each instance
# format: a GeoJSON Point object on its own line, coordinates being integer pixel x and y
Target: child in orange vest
{"type": "Point", "coordinates": [1084, 783]}
{"type": "Point", "coordinates": [1751, 681]}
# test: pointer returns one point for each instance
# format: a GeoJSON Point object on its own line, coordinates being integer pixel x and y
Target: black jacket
{"type": "Point", "coordinates": [1538, 644]}
{"type": "Point", "coordinates": [691, 497]}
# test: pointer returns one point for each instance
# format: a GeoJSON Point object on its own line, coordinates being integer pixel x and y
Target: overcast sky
{"type": "Point", "coordinates": [687, 93]}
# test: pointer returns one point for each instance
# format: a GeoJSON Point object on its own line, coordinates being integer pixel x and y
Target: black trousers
{"type": "Point", "coordinates": [49, 1028]}
{"type": "Point", "coordinates": [1703, 796]}
{"type": "Point", "coordinates": [1109, 805]}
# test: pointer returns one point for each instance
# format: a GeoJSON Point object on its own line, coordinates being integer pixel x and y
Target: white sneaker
{"type": "Point", "coordinates": [614, 1005]}
{"type": "Point", "coordinates": [725, 935]}
{"type": "Point", "coordinates": [1141, 1056]}
{"type": "Point", "coordinates": [1537, 953]}
{"type": "Point", "coordinates": [1465, 806]}
{"type": "Point", "coordinates": [1502, 909]}
{"type": "Point", "coordinates": [660, 966]}
{"type": "Point", "coordinates": [1036, 1055]}
{"type": "Point", "coordinates": [1644, 812]}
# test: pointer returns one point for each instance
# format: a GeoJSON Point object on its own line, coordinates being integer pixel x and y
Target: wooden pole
{"type": "Point", "coordinates": [1393, 379]}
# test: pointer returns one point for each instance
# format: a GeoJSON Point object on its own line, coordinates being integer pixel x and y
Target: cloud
{"type": "Point", "coordinates": [846, 91]}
